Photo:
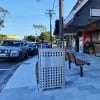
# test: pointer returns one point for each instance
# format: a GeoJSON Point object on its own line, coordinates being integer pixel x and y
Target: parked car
{"type": "Point", "coordinates": [32, 48]}
{"type": "Point", "coordinates": [43, 45]}
{"type": "Point", "coordinates": [16, 49]}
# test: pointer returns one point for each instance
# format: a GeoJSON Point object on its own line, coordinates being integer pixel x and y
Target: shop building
{"type": "Point", "coordinates": [82, 25]}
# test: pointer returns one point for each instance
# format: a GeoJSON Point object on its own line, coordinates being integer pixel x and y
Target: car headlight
{"type": "Point", "coordinates": [6, 51]}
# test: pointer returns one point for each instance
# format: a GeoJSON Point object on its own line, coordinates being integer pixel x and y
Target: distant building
{"type": "Point", "coordinates": [12, 37]}
{"type": "Point", "coordinates": [9, 37]}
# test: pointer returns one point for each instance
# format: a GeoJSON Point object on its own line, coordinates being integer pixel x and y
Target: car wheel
{"type": "Point", "coordinates": [26, 56]}
{"type": "Point", "coordinates": [20, 57]}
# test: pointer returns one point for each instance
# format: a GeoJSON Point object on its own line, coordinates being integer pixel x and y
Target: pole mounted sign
{"type": "Point", "coordinates": [94, 12]}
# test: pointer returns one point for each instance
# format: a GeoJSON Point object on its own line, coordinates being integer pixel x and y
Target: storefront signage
{"type": "Point", "coordinates": [94, 12]}
{"type": "Point", "coordinates": [91, 27]}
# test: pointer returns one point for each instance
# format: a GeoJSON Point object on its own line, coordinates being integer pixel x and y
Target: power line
{"type": "Point", "coordinates": [26, 16]}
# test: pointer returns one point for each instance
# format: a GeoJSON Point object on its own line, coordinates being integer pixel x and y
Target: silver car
{"type": "Point", "coordinates": [13, 49]}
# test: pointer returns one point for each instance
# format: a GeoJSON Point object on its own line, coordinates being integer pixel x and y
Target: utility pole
{"type": "Point", "coordinates": [35, 36]}
{"type": "Point", "coordinates": [50, 13]}
{"type": "Point", "coordinates": [61, 30]}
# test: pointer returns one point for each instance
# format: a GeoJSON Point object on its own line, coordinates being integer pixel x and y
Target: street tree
{"type": "Point", "coordinates": [54, 39]}
{"type": "Point", "coordinates": [45, 36]}
{"type": "Point", "coordinates": [3, 13]}
{"type": "Point", "coordinates": [40, 28]}
{"type": "Point", "coordinates": [30, 38]}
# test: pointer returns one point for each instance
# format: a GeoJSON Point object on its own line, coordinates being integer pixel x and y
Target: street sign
{"type": "Point", "coordinates": [94, 12]}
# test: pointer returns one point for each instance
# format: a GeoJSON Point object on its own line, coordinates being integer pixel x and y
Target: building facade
{"type": "Point", "coordinates": [84, 22]}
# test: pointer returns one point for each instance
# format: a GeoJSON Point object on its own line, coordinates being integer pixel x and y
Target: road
{"type": "Point", "coordinates": [7, 68]}
{"type": "Point", "coordinates": [6, 64]}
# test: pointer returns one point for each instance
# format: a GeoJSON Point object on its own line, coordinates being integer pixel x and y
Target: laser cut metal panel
{"type": "Point", "coordinates": [51, 68]}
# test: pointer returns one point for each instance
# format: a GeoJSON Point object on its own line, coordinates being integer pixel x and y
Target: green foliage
{"type": "Point", "coordinates": [89, 47]}
{"type": "Point", "coordinates": [0, 40]}
{"type": "Point", "coordinates": [45, 37]}
{"type": "Point", "coordinates": [44, 34]}
{"type": "Point", "coordinates": [3, 12]}
{"type": "Point", "coordinates": [30, 38]}
{"type": "Point", "coordinates": [1, 23]}
{"type": "Point", "coordinates": [54, 39]}
{"type": "Point", "coordinates": [41, 28]}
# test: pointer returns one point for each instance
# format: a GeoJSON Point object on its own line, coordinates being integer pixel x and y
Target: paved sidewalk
{"type": "Point", "coordinates": [22, 85]}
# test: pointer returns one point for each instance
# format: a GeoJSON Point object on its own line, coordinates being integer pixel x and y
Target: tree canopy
{"type": "Point", "coordinates": [45, 36]}
{"type": "Point", "coordinates": [30, 38]}
{"type": "Point", "coordinates": [40, 27]}
{"type": "Point", "coordinates": [3, 13]}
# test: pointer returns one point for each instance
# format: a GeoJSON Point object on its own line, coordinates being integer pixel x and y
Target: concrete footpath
{"type": "Point", "coordinates": [22, 85]}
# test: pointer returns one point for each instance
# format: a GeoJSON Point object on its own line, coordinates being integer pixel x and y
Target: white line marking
{"type": "Point", "coordinates": [5, 69]}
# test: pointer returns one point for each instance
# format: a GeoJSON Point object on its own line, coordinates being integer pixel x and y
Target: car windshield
{"type": "Point", "coordinates": [31, 44]}
{"type": "Point", "coordinates": [10, 43]}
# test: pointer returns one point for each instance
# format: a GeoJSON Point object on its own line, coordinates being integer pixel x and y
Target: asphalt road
{"type": "Point", "coordinates": [7, 68]}
{"type": "Point", "coordinates": [6, 64]}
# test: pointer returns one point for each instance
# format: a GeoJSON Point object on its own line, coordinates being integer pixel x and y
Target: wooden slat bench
{"type": "Point", "coordinates": [73, 59]}
{"type": "Point", "coordinates": [37, 71]}
{"type": "Point", "coordinates": [96, 49]}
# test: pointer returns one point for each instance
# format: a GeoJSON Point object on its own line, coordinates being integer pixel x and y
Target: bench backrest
{"type": "Point", "coordinates": [70, 57]}
{"type": "Point", "coordinates": [97, 48]}
{"type": "Point", "coordinates": [66, 56]}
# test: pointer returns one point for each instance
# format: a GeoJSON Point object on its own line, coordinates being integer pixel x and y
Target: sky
{"type": "Point", "coordinates": [24, 13]}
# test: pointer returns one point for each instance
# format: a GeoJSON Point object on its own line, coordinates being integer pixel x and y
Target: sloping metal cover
{"type": "Point", "coordinates": [71, 29]}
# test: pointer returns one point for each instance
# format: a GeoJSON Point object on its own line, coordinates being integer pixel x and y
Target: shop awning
{"type": "Point", "coordinates": [81, 18]}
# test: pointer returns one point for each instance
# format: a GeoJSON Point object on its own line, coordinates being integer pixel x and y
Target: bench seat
{"type": "Point", "coordinates": [73, 59]}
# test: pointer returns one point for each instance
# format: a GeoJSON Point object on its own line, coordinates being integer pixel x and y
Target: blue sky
{"type": "Point", "coordinates": [25, 13]}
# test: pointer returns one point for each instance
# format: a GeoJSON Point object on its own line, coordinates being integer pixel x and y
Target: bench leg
{"type": "Point", "coordinates": [69, 65]}
{"type": "Point", "coordinates": [81, 71]}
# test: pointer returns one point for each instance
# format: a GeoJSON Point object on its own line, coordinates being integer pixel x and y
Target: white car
{"type": "Point", "coordinates": [13, 49]}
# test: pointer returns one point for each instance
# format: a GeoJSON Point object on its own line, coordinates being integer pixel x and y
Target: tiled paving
{"type": "Point", "coordinates": [76, 87]}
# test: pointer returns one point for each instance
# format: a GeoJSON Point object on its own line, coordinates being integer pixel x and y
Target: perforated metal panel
{"type": "Point", "coordinates": [51, 68]}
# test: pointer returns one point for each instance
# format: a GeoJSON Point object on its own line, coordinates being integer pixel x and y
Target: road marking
{"type": "Point", "coordinates": [22, 62]}
{"type": "Point", "coordinates": [5, 69]}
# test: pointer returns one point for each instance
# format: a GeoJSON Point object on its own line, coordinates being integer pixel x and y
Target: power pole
{"type": "Point", "coordinates": [61, 30]}
{"type": "Point", "coordinates": [50, 13]}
